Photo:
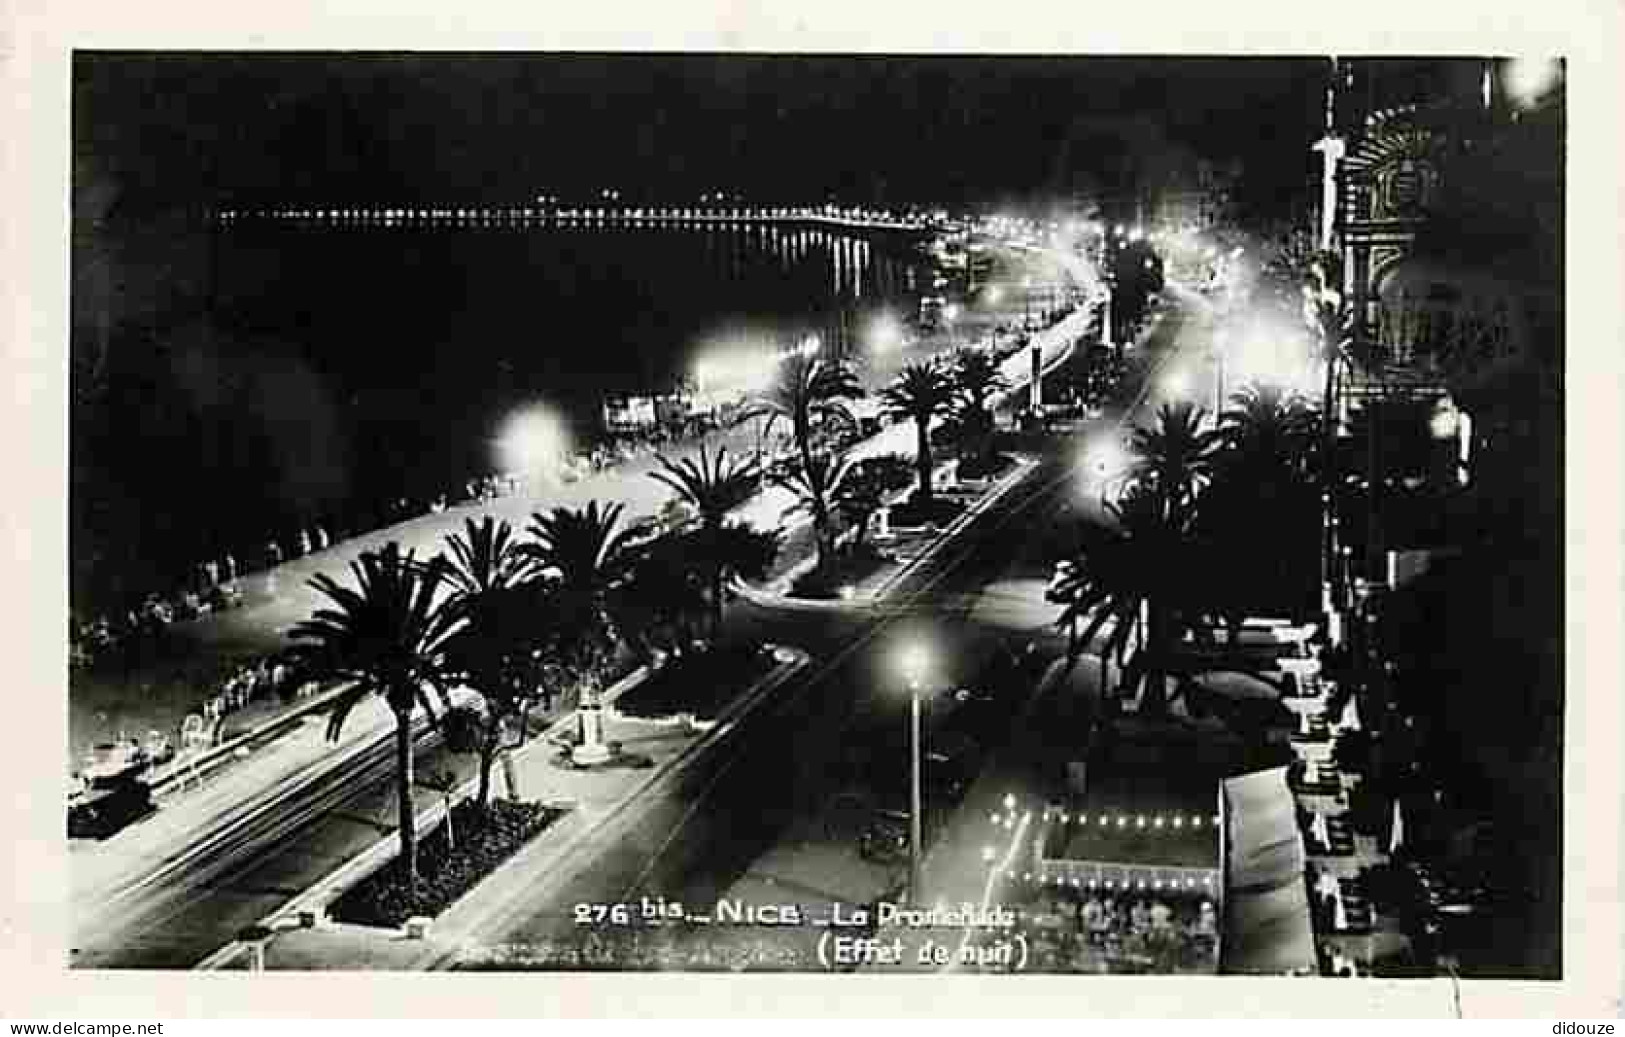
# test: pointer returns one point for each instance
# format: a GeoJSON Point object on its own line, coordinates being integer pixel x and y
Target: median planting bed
{"type": "Point", "coordinates": [483, 841]}
{"type": "Point", "coordinates": [851, 568]}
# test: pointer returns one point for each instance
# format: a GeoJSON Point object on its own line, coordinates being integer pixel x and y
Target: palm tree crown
{"type": "Point", "coordinates": [386, 635]}
{"type": "Point", "coordinates": [712, 484]}
{"type": "Point", "coordinates": [919, 390]}
{"type": "Point", "coordinates": [812, 394]}
{"type": "Point", "coordinates": [1268, 428]}
{"type": "Point", "coordinates": [976, 376]}
{"type": "Point", "coordinates": [485, 557]}
{"type": "Point", "coordinates": [1175, 457]}
{"type": "Point", "coordinates": [817, 483]}
{"type": "Point", "coordinates": [583, 548]}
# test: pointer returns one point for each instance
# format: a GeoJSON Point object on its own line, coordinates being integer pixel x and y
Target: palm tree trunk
{"type": "Point", "coordinates": [826, 553]}
{"type": "Point", "coordinates": [716, 600]}
{"type": "Point", "coordinates": [922, 456]}
{"type": "Point", "coordinates": [982, 432]}
{"type": "Point", "coordinates": [1155, 701]}
{"type": "Point", "coordinates": [488, 759]}
{"type": "Point", "coordinates": [403, 793]}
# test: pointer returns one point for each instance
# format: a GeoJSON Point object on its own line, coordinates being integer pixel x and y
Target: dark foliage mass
{"type": "Point", "coordinates": [484, 839]}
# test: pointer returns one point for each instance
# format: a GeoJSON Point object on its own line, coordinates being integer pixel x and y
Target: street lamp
{"type": "Point", "coordinates": [256, 937]}
{"type": "Point", "coordinates": [1174, 383]}
{"type": "Point", "coordinates": [885, 333]}
{"type": "Point", "coordinates": [533, 443]}
{"type": "Point", "coordinates": [914, 662]}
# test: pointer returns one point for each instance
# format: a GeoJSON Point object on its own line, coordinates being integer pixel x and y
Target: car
{"type": "Point", "coordinates": [1059, 590]}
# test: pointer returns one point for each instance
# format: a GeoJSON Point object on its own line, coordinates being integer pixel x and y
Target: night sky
{"type": "Point", "coordinates": [182, 127]}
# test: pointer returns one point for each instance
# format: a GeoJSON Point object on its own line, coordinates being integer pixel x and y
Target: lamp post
{"type": "Point", "coordinates": [914, 667]}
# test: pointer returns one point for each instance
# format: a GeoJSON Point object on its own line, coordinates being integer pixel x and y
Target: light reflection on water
{"type": "Point", "coordinates": [384, 359]}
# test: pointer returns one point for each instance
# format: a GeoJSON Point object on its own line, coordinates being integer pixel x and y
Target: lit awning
{"type": "Point", "coordinates": [1268, 928]}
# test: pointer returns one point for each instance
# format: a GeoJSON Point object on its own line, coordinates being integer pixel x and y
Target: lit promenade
{"type": "Point", "coordinates": [282, 597]}
{"type": "Point", "coordinates": [277, 599]}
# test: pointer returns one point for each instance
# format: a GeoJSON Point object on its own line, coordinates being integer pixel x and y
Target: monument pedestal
{"type": "Point", "coordinates": [592, 749]}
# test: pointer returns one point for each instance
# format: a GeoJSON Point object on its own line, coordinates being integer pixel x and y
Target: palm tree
{"type": "Point", "coordinates": [505, 651]}
{"type": "Point", "coordinates": [485, 557]}
{"type": "Point", "coordinates": [744, 551]}
{"type": "Point", "coordinates": [813, 395]}
{"type": "Point", "coordinates": [582, 548]}
{"type": "Point", "coordinates": [976, 377]}
{"type": "Point", "coordinates": [1269, 429]}
{"type": "Point", "coordinates": [920, 392]}
{"type": "Point", "coordinates": [587, 557]}
{"type": "Point", "coordinates": [657, 605]}
{"type": "Point", "coordinates": [1174, 458]}
{"type": "Point", "coordinates": [713, 487]}
{"type": "Point", "coordinates": [500, 650]}
{"type": "Point", "coordinates": [1139, 568]}
{"type": "Point", "coordinates": [387, 636]}
{"type": "Point", "coordinates": [1261, 501]}
{"type": "Point", "coordinates": [817, 484]}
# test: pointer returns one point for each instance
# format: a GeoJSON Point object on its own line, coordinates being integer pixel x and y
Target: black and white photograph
{"type": "Point", "coordinates": [837, 512]}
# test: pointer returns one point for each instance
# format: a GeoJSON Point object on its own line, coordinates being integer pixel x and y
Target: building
{"type": "Point", "coordinates": [1438, 294]}
{"type": "Point", "coordinates": [645, 413]}
{"type": "Point", "coordinates": [1440, 261]}
{"type": "Point", "coordinates": [1202, 198]}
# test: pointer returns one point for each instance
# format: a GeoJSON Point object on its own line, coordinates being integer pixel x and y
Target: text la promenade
{"type": "Point", "coordinates": [884, 914]}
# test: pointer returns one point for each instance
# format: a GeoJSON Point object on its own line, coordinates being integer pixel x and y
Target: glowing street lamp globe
{"type": "Point", "coordinates": [1527, 79]}
{"type": "Point", "coordinates": [914, 660]}
{"type": "Point", "coordinates": [1175, 383]}
{"type": "Point", "coordinates": [885, 334]}
{"type": "Point", "coordinates": [533, 443]}
{"type": "Point", "coordinates": [1105, 464]}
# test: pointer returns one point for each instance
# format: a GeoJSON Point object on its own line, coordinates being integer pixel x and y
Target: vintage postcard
{"type": "Point", "coordinates": [826, 512]}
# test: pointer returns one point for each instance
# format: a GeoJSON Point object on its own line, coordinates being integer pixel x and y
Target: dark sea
{"type": "Point", "coordinates": [319, 375]}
